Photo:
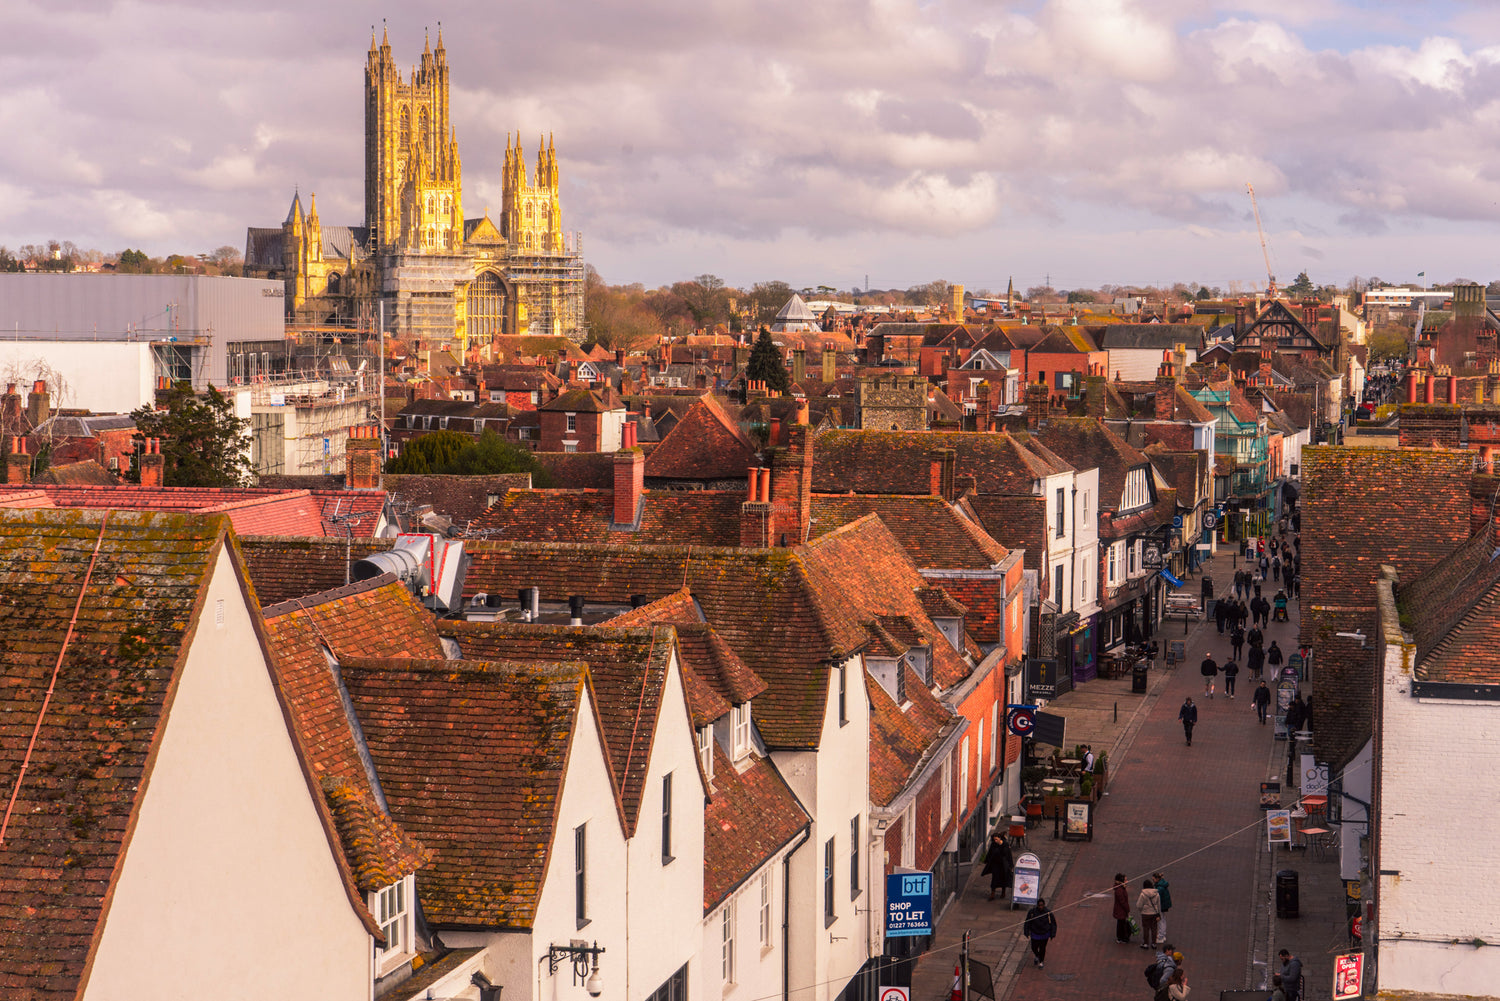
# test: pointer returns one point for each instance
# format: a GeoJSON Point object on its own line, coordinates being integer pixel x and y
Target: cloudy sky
{"type": "Point", "coordinates": [821, 142]}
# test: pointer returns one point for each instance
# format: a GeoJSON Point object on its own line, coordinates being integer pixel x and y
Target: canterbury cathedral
{"type": "Point", "coordinates": [434, 276]}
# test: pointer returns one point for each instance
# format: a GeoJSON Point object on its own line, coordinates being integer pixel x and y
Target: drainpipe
{"type": "Point", "coordinates": [786, 914]}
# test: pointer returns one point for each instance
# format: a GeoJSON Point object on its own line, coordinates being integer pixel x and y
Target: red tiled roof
{"type": "Point", "coordinates": [762, 602]}
{"type": "Point", "coordinates": [862, 566]}
{"type": "Point", "coordinates": [579, 470]}
{"type": "Point", "coordinates": [930, 530]}
{"type": "Point", "coordinates": [900, 462]}
{"type": "Point", "coordinates": [488, 819]}
{"type": "Point", "coordinates": [629, 670]}
{"type": "Point", "coordinates": [668, 517]}
{"type": "Point", "coordinates": [286, 567]}
{"type": "Point", "coordinates": [750, 816]}
{"type": "Point", "coordinates": [705, 445]}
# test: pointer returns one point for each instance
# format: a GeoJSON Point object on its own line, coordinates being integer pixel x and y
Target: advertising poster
{"type": "Point", "coordinates": [1279, 827]}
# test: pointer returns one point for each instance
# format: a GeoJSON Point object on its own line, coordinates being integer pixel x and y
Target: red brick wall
{"type": "Point", "coordinates": [555, 431]}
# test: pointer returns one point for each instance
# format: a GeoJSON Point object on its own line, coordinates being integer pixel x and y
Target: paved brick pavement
{"type": "Point", "coordinates": [1192, 812]}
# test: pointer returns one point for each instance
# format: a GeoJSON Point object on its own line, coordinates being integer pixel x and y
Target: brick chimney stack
{"type": "Point", "coordinates": [153, 463]}
{"type": "Point", "coordinates": [10, 409]}
{"type": "Point", "coordinates": [799, 364]}
{"type": "Point", "coordinates": [1166, 388]}
{"type": "Point", "coordinates": [630, 483]}
{"type": "Point", "coordinates": [1095, 402]}
{"type": "Point", "coordinates": [1036, 404]}
{"type": "Point", "coordinates": [17, 463]}
{"type": "Point", "coordinates": [755, 512]}
{"type": "Point", "coordinates": [39, 403]}
{"type": "Point", "coordinates": [830, 363]}
{"type": "Point", "coordinates": [791, 486]}
{"type": "Point", "coordinates": [1240, 313]}
{"type": "Point", "coordinates": [362, 458]}
{"type": "Point", "coordinates": [1265, 365]}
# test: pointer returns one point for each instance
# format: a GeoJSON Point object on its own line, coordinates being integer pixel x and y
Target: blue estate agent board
{"type": "Point", "coordinates": [908, 904]}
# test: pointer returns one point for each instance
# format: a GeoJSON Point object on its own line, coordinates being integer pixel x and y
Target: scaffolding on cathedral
{"type": "Point", "coordinates": [550, 287]}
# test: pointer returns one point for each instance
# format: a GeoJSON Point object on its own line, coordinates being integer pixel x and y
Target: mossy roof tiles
{"type": "Point", "coordinates": [750, 816]}
{"type": "Point", "coordinates": [706, 444]}
{"type": "Point", "coordinates": [629, 670]}
{"type": "Point", "coordinates": [73, 810]}
{"type": "Point", "coordinates": [472, 757]}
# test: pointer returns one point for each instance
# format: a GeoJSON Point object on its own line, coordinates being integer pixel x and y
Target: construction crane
{"type": "Point", "coordinates": [1270, 278]}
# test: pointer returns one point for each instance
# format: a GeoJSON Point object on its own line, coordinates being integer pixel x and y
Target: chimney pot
{"type": "Point", "coordinates": [575, 609]}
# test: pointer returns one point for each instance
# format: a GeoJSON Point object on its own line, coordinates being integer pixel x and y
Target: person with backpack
{"type": "Point", "coordinates": [1040, 928]}
{"type": "Point", "coordinates": [1274, 658]}
{"type": "Point", "coordinates": [1164, 889]}
{"type": "Point", "coordinates": [1161, 968]}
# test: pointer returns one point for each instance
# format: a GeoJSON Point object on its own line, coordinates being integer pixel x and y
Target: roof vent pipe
{"type": "Point", "coordinates": [534, 603]}
{"type": "Point", "coordinates": [575, 609]}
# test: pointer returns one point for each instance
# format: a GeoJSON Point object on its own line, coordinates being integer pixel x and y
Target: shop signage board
{"type": "Point", "coordinates": [908, 904]}
{"type": "Point", "coordinates": [1348, 976]}
{"type": "Point", "coordinates": [1279, 827]}
{"type": "Point", "coordinates": [1026, 880]}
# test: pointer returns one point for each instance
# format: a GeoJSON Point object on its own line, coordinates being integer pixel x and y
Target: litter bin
{"type": "Point", "coordinates": [1138, 679]}
{"type": "Point", "coordinates": [1286, 893]}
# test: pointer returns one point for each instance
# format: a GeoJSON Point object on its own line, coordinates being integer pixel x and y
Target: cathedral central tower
{"type": "Point", "coordinates": [413, 177]}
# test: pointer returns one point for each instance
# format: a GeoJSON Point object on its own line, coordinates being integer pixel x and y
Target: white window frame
{"type": "Point", "coordinates": [767, 932]}
{"type": "Point", "coordinates": [909, 836]}
{"type": "Point", "coordinates": [963, 776]}
{"type": "Point", "coordinates": [706, 750]}
{"type": "Point", "coordinates": [1085, 522]}
{"type": "Point", "coordinates": [1112, 563]}
{"type": "Point", "coordinates": [392, 908]}
{"type": "Point", "coordinates": [979, 753]}
{"type": "Point", "coordinates": [666, 820]}
{"type": "Point", "coordinates": [994, 736]}
{"type": "Point", "coordinates": [946, 810]}
{"type": "Point", "coordinates": [572, 422]}
{"type": "Point", "coordinates": [855, 883]}
{"type": "Point", "coordinates": [739, 725]}
{"type": "Point", "coordinates": [726, 943]}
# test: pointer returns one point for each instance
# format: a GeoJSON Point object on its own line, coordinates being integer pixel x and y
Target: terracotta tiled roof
{"type": "Point", "coordinates": [668, 517]}
{"type": "Point", "coordinates": [1014, 522]}
{"type": "Point", "coordinates": [252, 510]}
{"type": "Point", "coordinates": [378, 851]}
{"type": "Point", "coordinates": [714, 675]}
{"type": "Point", "coordinates": [762, 602]}
{"type": "Point", "coordinates": [1454, 610]}
{"type": "Point", "coordinates": [1184, 470]}
{"type": "Point", "coordinates": [862, 566]}
{"type": "Point", "coordinates": [286, 567]}
{"type": "Point", "coordinates": [629, 669]}
{"type": "Point", "coordinates": [750, 816]}
{"type": "Point", "coordinates": [901, 740]}
{"type": "Point", "coordinates": [583, 401]}
{"type": "Point", "coordinates": [938, 602]}
{"type": "Point", "coordinates": [932, 533]}
{"type": "Point", "coordinates": [461, 498]}
{"type": "Point", "coordinates": [579, 470]}
{"type": "Point", "coordinates": [1086, 442]}
{"type": "Point", "coordinates": [488, 819]}
{"type": "Point", "coordinates": [706, 444]}
{"type": "Point", "coordinates": [73, 474]}
{"type": "Point", "coordinates": [900, 462]}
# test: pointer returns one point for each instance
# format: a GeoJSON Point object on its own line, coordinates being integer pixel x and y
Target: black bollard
{"type": "Point", "coordinates": [1056, 825]}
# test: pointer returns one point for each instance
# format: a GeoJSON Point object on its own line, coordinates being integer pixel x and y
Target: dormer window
{"type": "Point", "coordinates": [739, 731]}
{"type": "Point", "coordinates": [392, 909]}
{"type": "Point", "coordinates": [1137, 490]}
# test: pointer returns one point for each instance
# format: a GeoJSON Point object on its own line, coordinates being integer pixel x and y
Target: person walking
{"type": "Point", "coordinates": [1291, 975]}
{"type": "Point", "coordinates": [1122, 910]}
{"type": "Point", "coordinates": [1255, 637]}
{"type": "Point", "coordinates": [998, 863]}
{"type": "Point", "coordinates": [1274, 658]}
{"type": "Point", "coordinates": [1255, 661]}
{"type": "Point", "coordinates": [1210, 671]}
{"type": "Point", "coordinates": [1221, 612]}
{"type": "Point", "coordinates": [1236, 639]}
{"type": "Point", "coordinates": [1188, 714]}
{"type": "Point", "coordinates": [1276, 568]}
{"type": "Point", "coordinates": [1148, 903]}
{"type": "Point", "coordinates": [1262, 700]}
{"type": "Point", "coordinates": [1040, 928]}
{"type": "Point", "coordinates": [1231, 671]}
{"type": "Point", "coordinates": [1262, 609]}
{"type": "Point", "coordinates": [1265, 566]}
{"type": "Point", "coordinates": [1177, 987]}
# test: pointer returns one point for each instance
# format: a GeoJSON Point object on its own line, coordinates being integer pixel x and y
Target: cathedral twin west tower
{"type": "Point", "coordinates": [443, 279]}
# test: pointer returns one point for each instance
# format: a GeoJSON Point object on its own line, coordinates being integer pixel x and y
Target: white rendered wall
{"type": "Point", "coordinates": [664, 903]}
{"type": "Point", "coordinates": [106, 377]}
{"type": "Point", "coordinates": [1139, 364]}
{"type": "Point", "coordinates": [1436, 857]}
{"type": "Point", "coordinates": [833, 783]}
{"type": "Point", "coordinates": [229, 883]}
{"type": "Point", "coordinates": [757, 970]}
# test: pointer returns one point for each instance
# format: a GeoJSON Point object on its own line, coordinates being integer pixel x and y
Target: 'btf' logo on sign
{"type": "Point", "coordinates": [912, 886]}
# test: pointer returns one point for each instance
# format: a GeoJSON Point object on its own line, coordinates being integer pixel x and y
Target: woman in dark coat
{"type": "Point", "coordinates": [998, 863]}
{"type": "Point", "coordinates": [1122, 909]}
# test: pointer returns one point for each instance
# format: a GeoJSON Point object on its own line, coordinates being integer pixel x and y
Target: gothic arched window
{"type": "Point", "coordinates": [423, 133]}
{"type": "Point", "coordinates": [486, 305]}
{"type": "Point", "coordinates": [405, 126]}
{"type": "Point", "coordinates": [333, 283]}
